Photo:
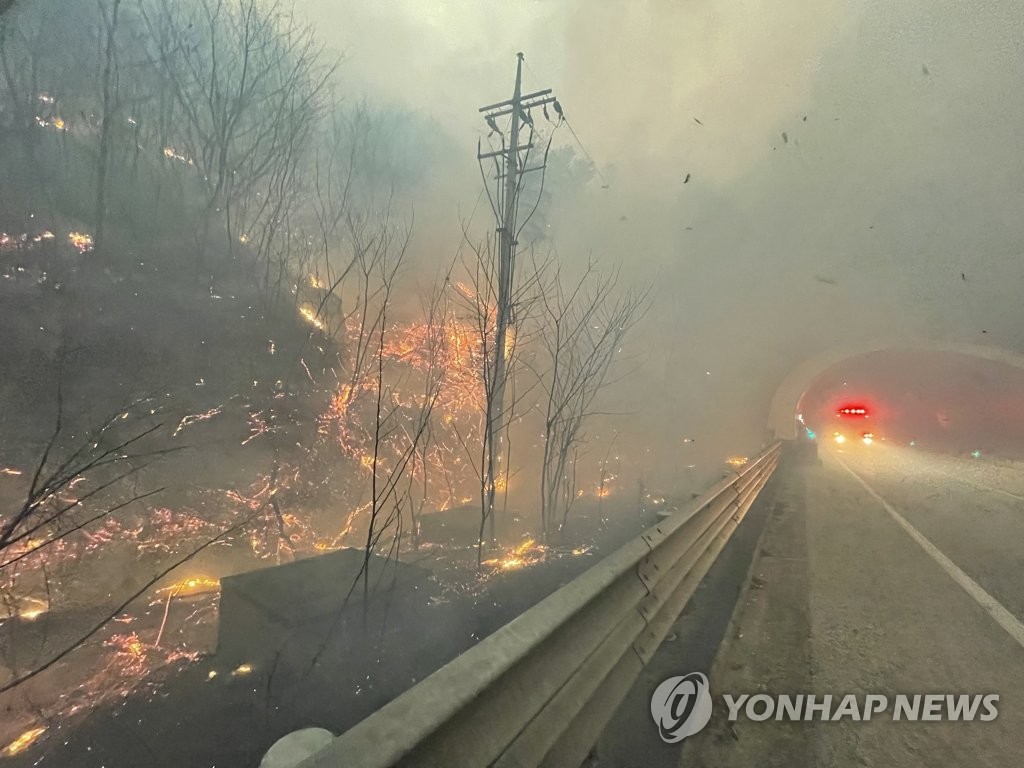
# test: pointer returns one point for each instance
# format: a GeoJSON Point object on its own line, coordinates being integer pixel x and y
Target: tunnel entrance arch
{"type": "Point", "coordinates": [782, 423]}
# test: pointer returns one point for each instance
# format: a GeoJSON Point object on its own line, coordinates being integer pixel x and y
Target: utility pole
{"type": "Point", "coordinates": [509, 168]}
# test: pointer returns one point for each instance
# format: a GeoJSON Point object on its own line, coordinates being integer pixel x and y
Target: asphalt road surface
{"type": "Point", "coordinates": [631, 739]}
{"type": "Point", "coordinates": [885, 570]}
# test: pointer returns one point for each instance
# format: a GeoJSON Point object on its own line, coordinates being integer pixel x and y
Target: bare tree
{"type": "Point", "coordinates": [110, 107]}
{"type": "Point", "coordinates": [586, 324]}
{"type": "Point", "coordinates": [478, 303]}
{"type": "Point", "coordinates": [400, 428]}
{"type": "Point", "coordinates": [49, 513]}
{"type": "Point", "coordinates": [249, 83]}
{"type": "Point", "coordinates": [39, 79]}
{"type": "Point", "coordinates": [75, 485]}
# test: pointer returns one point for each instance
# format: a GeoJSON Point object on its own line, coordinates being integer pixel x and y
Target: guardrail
{"type": "Point", "coordinates": [539, 691]}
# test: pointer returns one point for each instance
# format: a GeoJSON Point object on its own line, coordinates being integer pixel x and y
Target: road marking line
{"type": "Point", "coordinates": [1003, 617]}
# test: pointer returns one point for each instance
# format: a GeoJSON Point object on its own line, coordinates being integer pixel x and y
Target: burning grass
{"type": "Point", "coordinates": [523, 555]}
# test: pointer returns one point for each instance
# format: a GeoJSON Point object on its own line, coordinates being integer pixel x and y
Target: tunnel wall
{"type": "Point", "coordinates": [782, 424]}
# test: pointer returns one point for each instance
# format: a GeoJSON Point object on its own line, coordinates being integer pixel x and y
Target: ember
{"type": "Point", "coordinates": [194, 586]}
{"type": "Point", "coordinates": [309, 314]}
{"type": "Point", "coordinates": [195, 418]}
{"type": "Point", "coordinates": [32, 608]}
{"type": "Point", "coordinates": [81, 241]}
{"type": "Point", "coordinates": [528, 553]}
{"type": "Point", "coordinates": [172, 154]}
{"type": "Point", "coordinates": [23, 742]}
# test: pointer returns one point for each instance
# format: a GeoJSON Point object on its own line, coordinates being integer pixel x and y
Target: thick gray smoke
{"type": "Point", "coordinates": [853, 171]}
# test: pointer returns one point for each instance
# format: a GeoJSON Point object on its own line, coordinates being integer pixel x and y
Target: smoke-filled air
{"type": "Point", "coordinates": [336, 335]}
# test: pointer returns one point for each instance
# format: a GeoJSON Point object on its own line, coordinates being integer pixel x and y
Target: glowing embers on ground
{"type": "Point", "coordinates": [195, 418]}
{"type": "Point", "coordinates": [131, 662]}
{"type": "Point", "coordinates": [242, 670]}
{"type": "Point", "coordinates": [194, 585]}
{"type": "Point", "coordinates": [173, 154]}
{"type": "Point", "coordinates": [737, 461]}
{"type": "Point", "coordinates": [23, 742]}
{"type": "Point", "coordinates": [26, 241]}
{"type": "Point", "coordinates": [530, 552]}
{"type": "Point", "coordinates": [527, 553]}
{"type": "Point", "coordinates": [31, 608]}
{"type": "Point", "coordinates": [56, 123]}
{"type": "Point", "coordinates": [82, 241]}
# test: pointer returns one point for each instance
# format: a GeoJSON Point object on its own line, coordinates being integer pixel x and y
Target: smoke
{"type": "Point", "coordinates": [853, 172]}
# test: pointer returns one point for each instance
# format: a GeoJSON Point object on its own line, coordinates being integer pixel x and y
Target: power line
{"type": "Point", "coordinates": [579, 142]}
{"type": "Point", "coordinates": [604, 181]}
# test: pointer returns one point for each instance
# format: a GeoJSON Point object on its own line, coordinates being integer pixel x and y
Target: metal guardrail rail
{"type": "Point", "coordinates": [539, 691]}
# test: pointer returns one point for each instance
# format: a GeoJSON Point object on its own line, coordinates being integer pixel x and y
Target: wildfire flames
{"type": "Point", "coordinates": [527, 553]}
{"type": "Point", "coordinates": [81, 241]}
{"type": "Point", "coordinates": [417, 354]}
{"type": "Point", "coordinates": [31, 608]}
{"type": "Point", "coordinates": [23, 742]}
{"type": "Point", "coordinates": [193, 586]}
{"type": "Point", "coordinates": [309, 314]}
{"type": "Point", "coordinates": [442, 471]}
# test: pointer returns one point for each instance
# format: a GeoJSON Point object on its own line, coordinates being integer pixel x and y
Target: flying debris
{"type": "Point", "coordinates": [924, 70]}
{"type": "Point", "coordinates": [698, 122]}
{"type": "Point", "coordinates": [826, 280]}
{"type": "Point", "coordinates": [963, 277]}
{"type": "Point", "coordinates": [785, 138]}
{"type": "Point", "coordinates": [686, 179]}
{"type": "Point", "coordinates": [805, 118]}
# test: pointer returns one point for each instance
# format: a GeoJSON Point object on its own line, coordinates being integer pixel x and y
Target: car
{"type": "Point", "coordinates": [850, 421]}
{"type": "Point", "coordinates": [841, 437]}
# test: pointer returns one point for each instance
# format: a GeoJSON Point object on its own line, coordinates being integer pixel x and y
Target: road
{"type": "Point", "coordinates": [885, 570]}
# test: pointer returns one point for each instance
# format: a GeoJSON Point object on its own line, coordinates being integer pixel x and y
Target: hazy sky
{"type": "Point", "coordinates": [905, 173]}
